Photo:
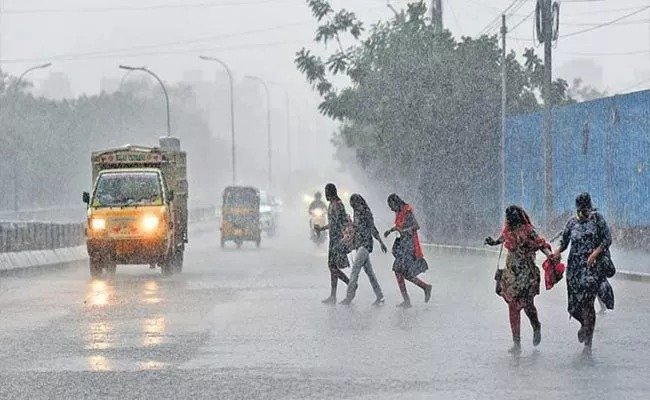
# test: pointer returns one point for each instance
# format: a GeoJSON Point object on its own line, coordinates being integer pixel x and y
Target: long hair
{"type": "Point", "coordinates": [516, 217]}
{"type": "Point", "coordinates": [395, 202]}
{"type": "Point", "coordinates": [358, 203]}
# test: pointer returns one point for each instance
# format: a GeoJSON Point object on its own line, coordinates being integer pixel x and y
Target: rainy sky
{"type": "Point", "coordinates": [86, 39]}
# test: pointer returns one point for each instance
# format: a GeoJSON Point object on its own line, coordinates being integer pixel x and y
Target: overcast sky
{"type": "Point", "coordinates": [87, 39]}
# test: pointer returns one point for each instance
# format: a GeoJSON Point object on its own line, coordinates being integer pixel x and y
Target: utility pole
{"type": "Point", "coordinates": [436, 14]}
{"type": "Point", "coordinates": [547, 37]}
{"type": "Point", "coordinates": [504, 97]}
{"type": "Point", "coordinates": [232, 114]}
{"type": "Point", "coordinates": [268, 126]}
{"type": "Point", "coordinates": [162, 85]}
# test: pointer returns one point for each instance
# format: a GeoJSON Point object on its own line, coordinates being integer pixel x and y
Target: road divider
{"type": "Point", "coordinates": [27, 245]}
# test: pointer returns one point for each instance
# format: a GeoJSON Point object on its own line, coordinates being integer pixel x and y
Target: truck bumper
{"type": "Point", "coordinates": [129, 251]}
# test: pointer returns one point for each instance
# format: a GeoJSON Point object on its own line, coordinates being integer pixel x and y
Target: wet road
{"type": "Point", "coordinates": [249, 324]}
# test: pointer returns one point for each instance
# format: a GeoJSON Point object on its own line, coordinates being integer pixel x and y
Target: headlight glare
{"type": "Point", "coordinates": [98, 224]}
{"type": "Point", "coordinates": [150, 223]}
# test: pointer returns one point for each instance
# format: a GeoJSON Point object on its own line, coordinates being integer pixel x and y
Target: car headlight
{"type": "Point", "coordinates": [98, 224]}
{"type": "Point", "coordinates": [150, 223]}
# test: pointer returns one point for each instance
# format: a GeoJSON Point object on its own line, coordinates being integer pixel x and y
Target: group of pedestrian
{"type": "Point", "coordinates": [358, 233]}
{"type": "Point", "coordinates": [588, 267]}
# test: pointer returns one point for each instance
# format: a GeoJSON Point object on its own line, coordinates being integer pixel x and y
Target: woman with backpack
{"type": "Point", "coordinates": [364, 230]}
{"type": "Point", "coordinates": [518, 283]}
{"type": "Point", "coordinates": [588, 267]}
{"type": "Point", "coordinates": [409, 258]}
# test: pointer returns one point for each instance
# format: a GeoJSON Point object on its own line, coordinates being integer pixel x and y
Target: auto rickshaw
{"type": "Point", "coordinates": [240, 215]}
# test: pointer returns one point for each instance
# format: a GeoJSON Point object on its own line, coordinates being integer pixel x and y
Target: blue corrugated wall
{"type": "Point", "coordinates": [600, 146]}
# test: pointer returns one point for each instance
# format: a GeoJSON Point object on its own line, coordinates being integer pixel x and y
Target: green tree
{"type": "Point", "coordinates": [422, 109]}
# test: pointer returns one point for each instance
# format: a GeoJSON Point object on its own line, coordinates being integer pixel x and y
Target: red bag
{"type": "Point", "coordinates": [553, 272]}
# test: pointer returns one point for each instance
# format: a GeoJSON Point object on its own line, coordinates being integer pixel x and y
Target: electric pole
{"type": "Point", "coordinates": [504, 97]}
{"type": "Point", "coordinates": [436, 14]}
{"type": "Point", "coordinates": [547, 36]}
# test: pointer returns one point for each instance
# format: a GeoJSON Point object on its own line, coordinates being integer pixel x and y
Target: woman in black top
{"type": "Point", "coordinates": [337, 220]}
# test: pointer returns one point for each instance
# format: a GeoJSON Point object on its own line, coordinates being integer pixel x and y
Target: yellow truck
{"type": "Point", "coordinates": [137, 210]}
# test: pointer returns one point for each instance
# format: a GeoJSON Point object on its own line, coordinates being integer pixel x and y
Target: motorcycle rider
{"type": "Point", "coordinates": [317, 203]}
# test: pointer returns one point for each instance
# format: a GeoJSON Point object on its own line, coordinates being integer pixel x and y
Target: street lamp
{"type": "Point", "coordinates": [15, 133]}
{"type": "Point", "coordinates": [145, 69]}
{"type": "Point", "coordinates": [268, 122]}
{"type": "Point", "coordinates": [232, 113]}
{"type": "Point", "coordinates": [287, 106]}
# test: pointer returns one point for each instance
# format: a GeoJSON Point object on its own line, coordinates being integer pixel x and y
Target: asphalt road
{"type": "Point", "coordinates": [249, 324]}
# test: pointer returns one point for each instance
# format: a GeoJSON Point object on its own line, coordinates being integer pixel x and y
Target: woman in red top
{"type": "Point", "coordinates": [409, 258]}
{"type": "Point", "coordinates": [518, 283]}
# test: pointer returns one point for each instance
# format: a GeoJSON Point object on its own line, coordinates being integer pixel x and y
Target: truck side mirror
{"type": "Point", "coordinates": [170, 195]}
{"type": "Point", "coordinates": [86, 197]}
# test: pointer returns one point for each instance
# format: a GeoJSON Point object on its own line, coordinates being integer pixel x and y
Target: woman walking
{"type": "Point", "coordinates": [364, 232]}
{"type": "Point", "coordinates": [518, 283]}
{"type": "Point", "coordinates": [409, 258]}
{"type": "Point", "coordinates": [588, 261]}
{"type": "Point", "coordinates": [338, 219]}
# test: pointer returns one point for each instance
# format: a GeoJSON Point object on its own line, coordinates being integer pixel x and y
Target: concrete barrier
{"type": "Point", "coordinates": [620, 274]}
{"type": "Point", "coordinates": [40, 245]}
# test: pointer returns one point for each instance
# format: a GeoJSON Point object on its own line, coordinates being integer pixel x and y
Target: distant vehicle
{"type": "Point", "coordinates": [269, 213]}
{"type": "Point", "coordinates": [240, 215]}
{"type": "Point", "coordinates": [317, 216]}
{"type": "Point", "coordinates": [137, 210]}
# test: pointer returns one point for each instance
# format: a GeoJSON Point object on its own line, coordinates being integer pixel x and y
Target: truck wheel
{"type": "Point", "coordinates": [111, 269]}
{"type": "Point", "coordinates": [95, 268]}
{"type": "Point", "coordinates": [167, 268]}
{"type": "Point", "coordinates": [177, 261]}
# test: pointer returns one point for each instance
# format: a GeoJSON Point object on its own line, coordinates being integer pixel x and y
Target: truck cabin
{"type": "Point", "coordinates": [128, 177]}
{"type": "Point", "coordinates": [124, 188]}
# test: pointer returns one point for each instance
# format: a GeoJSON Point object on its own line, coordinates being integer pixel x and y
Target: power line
{"type": "Point", "coordinates": [593, 28]}
{"type": "Point", "coordinates": [634, 22]}
{"type": "Point", "coordinates": [508, 11]}
{"type": "Point", "coordinates": [117, 52]}
{"type": "Point", "coordinates": [165, 52]}
{"type": "Point", "coordinates": [614, 54]}
{"type": "Point", "coordinates": [609, 11]}
{"type": "Point", "coordinates": [135, 8]}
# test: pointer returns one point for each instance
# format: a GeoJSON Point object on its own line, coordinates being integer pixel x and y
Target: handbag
{"type": "Point", "coordinates": [606, 294]}
{"type": "Point", "coordinates": [606, 266]}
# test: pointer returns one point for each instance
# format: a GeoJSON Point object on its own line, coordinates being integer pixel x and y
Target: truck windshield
{"type": "Point", "coordinates": [128, 188]}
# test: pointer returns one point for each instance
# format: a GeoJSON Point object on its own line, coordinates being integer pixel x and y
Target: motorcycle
{"type": "Point", "coordinates": [317, 217]}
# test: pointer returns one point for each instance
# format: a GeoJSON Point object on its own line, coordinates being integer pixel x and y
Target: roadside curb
{"type": "Point", "coordinates": [620, 274]}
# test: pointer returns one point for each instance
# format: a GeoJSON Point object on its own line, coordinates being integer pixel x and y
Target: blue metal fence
{"type": "Point", "coordinates": [600, 146]}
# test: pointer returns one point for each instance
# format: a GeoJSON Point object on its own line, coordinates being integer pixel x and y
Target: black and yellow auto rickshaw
{"type": "Point", "coordinates": [240, 215]}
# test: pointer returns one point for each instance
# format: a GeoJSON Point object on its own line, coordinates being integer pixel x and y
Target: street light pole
{"type": "Point", "coordinates": [268, 123]}
{"type": "Point", "coordinates": [232, 113]}
{"type": "Point", "coordinates": [287, 106]}
{"type": "Point", "coordinates": [162, 85]}
{"type": "Point", "coordinates": [15, 130]}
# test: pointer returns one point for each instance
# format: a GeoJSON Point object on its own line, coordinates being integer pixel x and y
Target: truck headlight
{"type": "Point", "coordinates": [150, 223]}
{"type": "Point", "coordinates": [98, 224]}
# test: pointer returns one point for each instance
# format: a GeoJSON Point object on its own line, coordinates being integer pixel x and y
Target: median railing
{"type": "Point", "coordinates": [28, 236]}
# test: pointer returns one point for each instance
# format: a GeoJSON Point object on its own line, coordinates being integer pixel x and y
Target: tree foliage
{"type": "Point", "coordinates": [422, 109]}
{"type": "Point", "coordinates": [50, 141]}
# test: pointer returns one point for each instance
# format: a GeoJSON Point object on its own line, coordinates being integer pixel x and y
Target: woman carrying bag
{"type": "Point", "coordinates": [588, 267]}
{"type": "Point", "coordinates": [519, 282]}
{"type": "Point", "coordinates": [409, 258]}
